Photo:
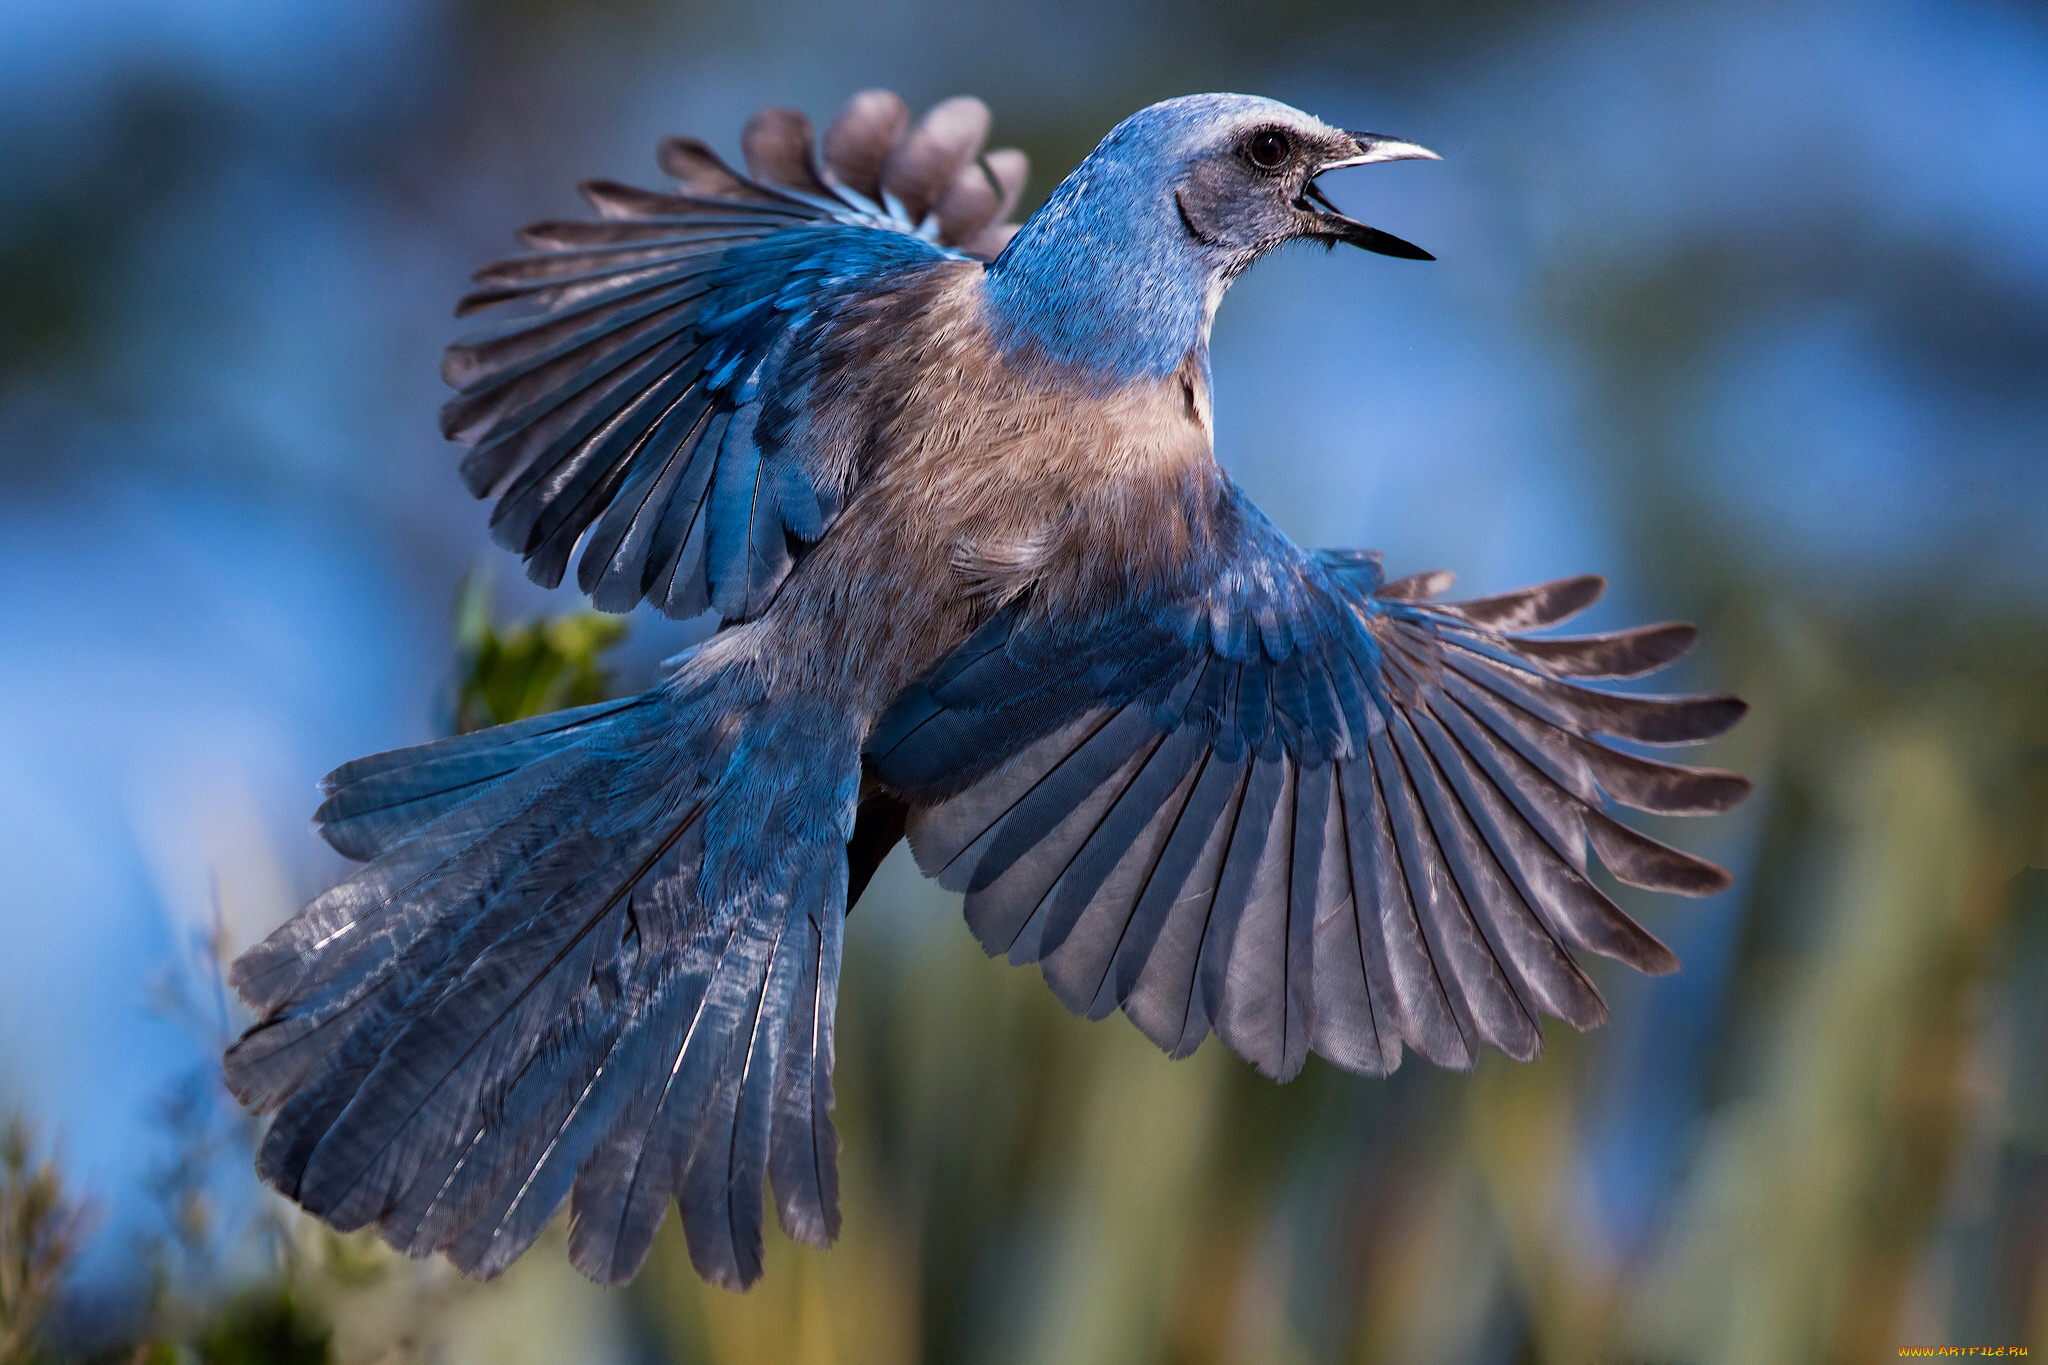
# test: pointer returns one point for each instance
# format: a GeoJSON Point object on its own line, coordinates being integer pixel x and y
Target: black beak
{"type": "Point", "coordinates": [1332, 226]}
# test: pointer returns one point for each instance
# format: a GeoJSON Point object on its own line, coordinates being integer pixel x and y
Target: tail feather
{"type": "Point", "coordinates": [481, 1184]}
{"type": "Point", "coordinates": [515, 1171]}
{"type": "Point", "coordinates": [376, 801]}
{"type": "Point", "coordinates": [622, 1075]}
{"type": "Point", "coordinates": [345, 935]}
{"type": "Point", "coordinates": [437, 1073]}
{"type": "Point", "coordinates": [383, 944]}
{"type": "Point", "coordinates": [802, 1146]}
{"type": "Point", "coordinates": [623, 1191]}
{"type": "Point", "coordinates": [548, 983]}
{"type": "Point", "coordinates": [728, 1162]}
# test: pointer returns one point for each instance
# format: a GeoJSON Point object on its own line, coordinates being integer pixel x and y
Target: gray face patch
{"type": "Point", "coordinates": [1250, 185]}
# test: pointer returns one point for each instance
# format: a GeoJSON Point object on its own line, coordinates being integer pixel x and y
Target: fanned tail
{"type": "Point", "coordinates": [590, 956]}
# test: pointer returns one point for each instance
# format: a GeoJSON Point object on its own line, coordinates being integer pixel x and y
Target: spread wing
{"type": "Point", "coordinates": [643, 399]}
{"type": "Point", "coordinates": [1309, 809]}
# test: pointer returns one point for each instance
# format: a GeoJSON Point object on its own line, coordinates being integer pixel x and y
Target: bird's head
{"type": "Point", "coordinates": [1121, 269]}
{"type": "Point", "coordinates": [1239, 174]}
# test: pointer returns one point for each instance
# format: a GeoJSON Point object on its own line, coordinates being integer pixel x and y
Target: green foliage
{"type": "Point", "coordinates": [266, 1327]}
{"type": "Point", "coordinates": [40, 1229]}
{"type": "Point", "coordinates": [511, 672]}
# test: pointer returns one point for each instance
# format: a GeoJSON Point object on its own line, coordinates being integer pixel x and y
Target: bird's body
{"type": "Point", "coordinates": [982, 583]}
{"type": "Point", "coordinates": [986, 475]}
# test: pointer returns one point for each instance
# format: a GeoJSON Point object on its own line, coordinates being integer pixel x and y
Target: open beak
{"type": "Point", "coordinates": [1333, 226]}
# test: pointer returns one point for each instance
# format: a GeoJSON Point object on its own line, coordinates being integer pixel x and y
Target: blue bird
{"type": "Point", "coordinates": [981, 583]}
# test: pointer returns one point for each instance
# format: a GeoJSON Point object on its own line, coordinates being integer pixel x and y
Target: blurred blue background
{"type": "Point", "coordinates": [1744, 305]}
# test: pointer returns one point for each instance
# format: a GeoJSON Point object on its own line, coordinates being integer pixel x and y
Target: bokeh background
{"type": "Point", "coordinates": [1743, 304]}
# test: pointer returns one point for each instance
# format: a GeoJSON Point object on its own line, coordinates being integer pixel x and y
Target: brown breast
{"type": "Point", "coordinates": [979, 478]}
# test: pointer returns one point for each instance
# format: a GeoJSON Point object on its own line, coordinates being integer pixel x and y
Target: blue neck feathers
{"type": "Point", "coordinates": [1106, 278]}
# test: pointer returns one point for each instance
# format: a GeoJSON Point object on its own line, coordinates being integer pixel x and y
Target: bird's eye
{"type": "Point", "coordinates": [1268, 149]}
